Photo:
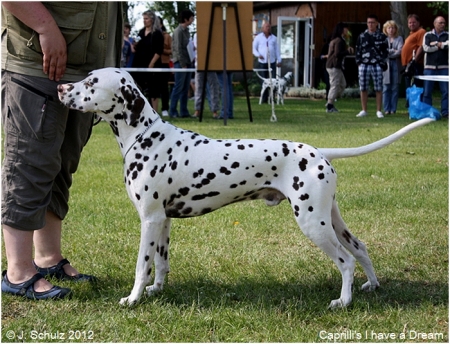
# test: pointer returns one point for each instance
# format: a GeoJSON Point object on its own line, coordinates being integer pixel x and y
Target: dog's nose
{"type": "Point", "coordinates": [60, 88]}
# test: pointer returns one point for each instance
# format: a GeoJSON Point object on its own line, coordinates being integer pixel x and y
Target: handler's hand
{"type": "Point", "coordinates": [54, 48]}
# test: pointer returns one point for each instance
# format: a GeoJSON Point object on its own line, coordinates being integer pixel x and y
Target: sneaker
{"type": "Point", "coordinates": [362, 114]}
{"type": "Point", "coordinates": [165, 113]}
{"type": "Point", "coordinates": [379, 114]}
{"type": "Point", "coordinates": [332, 109]}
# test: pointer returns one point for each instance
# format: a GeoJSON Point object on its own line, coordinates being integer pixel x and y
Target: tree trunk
{"type": "Point", "coordinates": [399, 14]}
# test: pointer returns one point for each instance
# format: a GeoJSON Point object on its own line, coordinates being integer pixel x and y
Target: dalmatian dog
{"type": "Point", "coordinates": [167, 177]}
{"type": "Point", "coordinates": [279, 86]}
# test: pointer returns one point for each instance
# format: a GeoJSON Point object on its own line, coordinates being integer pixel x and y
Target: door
{"type": "Point", "coordinates": [295, 42]}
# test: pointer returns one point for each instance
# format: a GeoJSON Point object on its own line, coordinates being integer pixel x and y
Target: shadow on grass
{"type": "Point", "coordinates": [307, 293]}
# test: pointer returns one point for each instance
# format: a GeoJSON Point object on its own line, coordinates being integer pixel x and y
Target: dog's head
{"type": "Point", "coordinates": [288, 76]}
{"type": "Point", "coordinates": [109, 92]}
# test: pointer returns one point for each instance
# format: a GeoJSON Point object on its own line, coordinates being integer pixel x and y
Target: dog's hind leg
{"type": "Point", "coordinates": [161, 259]}
{"type": "Point", "coordinates": [317, 226]}
{"type": "Point", "coordinates": [151, 230]}
{"type": "Point", "coordinates": [263, 88]}
{"type": "Point", "coordinates": [355, 246]}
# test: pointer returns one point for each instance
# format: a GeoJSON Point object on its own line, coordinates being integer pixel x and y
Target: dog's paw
{"type": "Point", "coordinates": [127, 301]}
{"type": "Point", "coordinates": [336, 304]}
{"type": "Point", "coordinates": [369, 286]}
{"type": "Point", "coordinates": [153, 289]}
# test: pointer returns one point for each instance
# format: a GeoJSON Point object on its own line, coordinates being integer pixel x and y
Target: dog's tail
{"type": "Point", "coordinates": [339, 153]}
{"type": "Point", "coordinates": [259, 76]}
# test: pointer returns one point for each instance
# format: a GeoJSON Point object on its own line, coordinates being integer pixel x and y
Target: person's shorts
{"type": "Point", "coordinates": [43, 141]}
{"type": "Point", "coordinates": [367, 72]}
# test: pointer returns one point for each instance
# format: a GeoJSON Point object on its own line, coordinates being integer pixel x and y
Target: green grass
{"type": "Point", "coordinates": [246, 273]}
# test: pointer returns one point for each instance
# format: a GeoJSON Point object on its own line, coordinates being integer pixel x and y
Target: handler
{"type": "Point", "coordinates": [45, 43]}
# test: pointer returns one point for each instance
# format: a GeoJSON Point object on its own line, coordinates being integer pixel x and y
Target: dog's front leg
{"type": "Point", "coordinates": [150, 234]}
{"type": "Point", "coordinates": [161, 260]}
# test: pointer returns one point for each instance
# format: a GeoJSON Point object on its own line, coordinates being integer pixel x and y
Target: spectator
{"type": "Point", "coordinates": [181, 59]}
{"type": "Point", "coordinates": [165, 76]}
{"type": "Point", "coordinates": [413, 48]}
{"type": "Point", "coordinates": [128, 53]}
{"type": "Point", "coordinates": [265, 44]}
{"type": "Point", "coordinates": [44, 139]}
{"type": "Point", "coordinates": [212, 88]}
{"type": "Point", "coordinates": [371, 55]}
{"type": "Point", "coordinates": [148, 55]}
{"type": "Point", "coordinates": [323, 59]}
{"type": "Point", "coordinates": [227, 97]}
{"type": "Point", "coordinates": [391, 77]}
{"type": "Point", "coordinates": [435, 46]}
{"type": "Point", "coordinates": [335, 61]}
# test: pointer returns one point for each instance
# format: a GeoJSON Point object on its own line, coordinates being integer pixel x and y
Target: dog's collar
{"type": "Point", "coordinates": [140, 137]}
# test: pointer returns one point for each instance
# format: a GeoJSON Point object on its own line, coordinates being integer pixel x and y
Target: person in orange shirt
{"type": "Point", "coordinates": [413, 45]}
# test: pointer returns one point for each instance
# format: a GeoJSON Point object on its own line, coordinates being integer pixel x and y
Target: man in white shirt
{"type": "Point", "coordinates": [265, 45]}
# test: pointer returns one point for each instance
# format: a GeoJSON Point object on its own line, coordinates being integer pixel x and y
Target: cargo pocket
{"type": "Point", "coordinates": [75, 20]}
{"type": "Point", "coordinates": [28, 113]}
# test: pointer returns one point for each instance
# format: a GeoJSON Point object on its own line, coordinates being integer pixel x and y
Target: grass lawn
{"type": "Point", "coordinates": [246, 273]}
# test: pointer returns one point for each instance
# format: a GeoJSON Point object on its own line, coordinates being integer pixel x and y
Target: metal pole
{"type": "Point", "coordinates": [225, 76]}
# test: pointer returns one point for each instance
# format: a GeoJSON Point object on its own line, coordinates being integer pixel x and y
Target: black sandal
{"type": "Point", "coordinates": [58, 272]}
{"type": "Point", "coordinates": [26, 289]}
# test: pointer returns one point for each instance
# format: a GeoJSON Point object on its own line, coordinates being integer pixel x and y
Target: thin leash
{"type": "Point", "coordinates": [140, 137]}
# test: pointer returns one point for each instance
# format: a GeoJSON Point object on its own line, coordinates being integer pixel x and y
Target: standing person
{"type": "Point", "coordinates": [228, 111]}
{"type": "Point", "coordinates": [435, 46]}
{"type": "Point", "coordinates": [335, 60]}
{"type": "Point", "coordinates": [181, 59]}
{"type": "Point", "coordinates": [44, 139]}
{"type": "Point", "coordinates": [265, 44]}
{"type": "Point", "coordinates": [323, 61]}
{"type": "Point", "coordinates": [148, 53]}
{"type": "Point", "coordinates": [371, 55]}
{"type": "Point", "coordinates": [212, 88]}
{"type": "Point", "coordinates": [128, 41]}
{"type": "Point", "coordinates": [391, 77]}
{"type": "Point", "coordinates": [165, 76]}
{"type": "Point", "coordinates": [413, 48]}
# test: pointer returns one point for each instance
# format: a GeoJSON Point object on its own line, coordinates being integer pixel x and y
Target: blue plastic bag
{"type": "Point", "coordinates": [417, 108]}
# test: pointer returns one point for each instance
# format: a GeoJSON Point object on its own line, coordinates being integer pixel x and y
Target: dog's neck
{"type": "Point", "coordinates": [128, 136]}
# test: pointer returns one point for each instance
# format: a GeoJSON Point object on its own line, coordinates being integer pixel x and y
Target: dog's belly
{"type": "Point", "coordinates": [203, 203]}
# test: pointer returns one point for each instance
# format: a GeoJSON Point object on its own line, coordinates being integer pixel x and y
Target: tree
{"type": "Point", "coordinates": [169, 11]}
{"type": "Point", "coordinates": [439, 7]}
{"type": "Point", "coordinates": [399, 14]}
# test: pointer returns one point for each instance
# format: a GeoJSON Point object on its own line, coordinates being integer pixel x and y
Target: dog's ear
{"type": "Point", "coordinates": [133, 104]}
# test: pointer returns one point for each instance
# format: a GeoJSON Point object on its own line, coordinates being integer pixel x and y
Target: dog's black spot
{"type": "Point", "coordinates": [225, 171]}
{"type": "Point", "coordinates": [155, 195]}
{"type": "Point", "coordinates": [304, 197]}
{"type": "Point", "coordinates": [203, 196]}
{"type": "Point", "coordinates": [302, 164]}
{"type": "Point", "coordinates": [184, 191]}
{"type": "Point", "coordinates": [347, 236]}
{"type": "Point", "coordinates": [285, 149]}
